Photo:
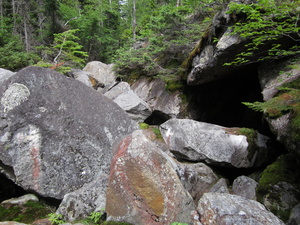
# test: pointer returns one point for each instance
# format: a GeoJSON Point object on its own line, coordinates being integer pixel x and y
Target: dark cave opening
{"type": "Point", "coordinates": [220, 102]}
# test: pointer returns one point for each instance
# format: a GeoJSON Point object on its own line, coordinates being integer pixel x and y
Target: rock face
{"type": "Point", "coordinates": [102, 72]}
{"type": "Point", "coordinates": [196, 178]}
{"type": "Point", "coordinates": [295, 216]}
{"type": "Point", "coordinates": [207, 64]}
{"type": "Point", "coordinates": [169, 104]}
{"type": "Point", "coordinates": [55, 133]}
{"type": "Point", "coordinates": [272, 77]}
{"type": "Point", "coordinates": [144, 187]}
{"type": "Point", "coordinates": [82, 77]}
{"type": "Point", "coordinates": [245, 187]}
{"type": "Point", "coordinates": [136, 108]}
{"type": "Point", "coordinates": [217, 208]}
{"type": "Point", "coordinates": [85, 200]}
{"type": "Point", "coordinates": [5, 74]}
{"type": "Point", "coordinates": [198, 141]}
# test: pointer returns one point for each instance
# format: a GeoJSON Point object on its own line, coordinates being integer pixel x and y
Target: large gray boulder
{"type": "Point", "coordinates": [169, 104]}
{"type": "Point", "coordinates": [136, 108]}
{"type": "Point", "coordinates": [5, 74]}
{"type": "Point", "coordinates": [102, 72]}
{"type": "Point", "coordinates": [144, 187]}
{"type": "Point", "coordinates": [56, 134]}
{"type": "Point", "coordinates": [198, 141]}
{"type": "Point", "coordinates": [220, 208]}
{"type": "Point", "coordinates": [208, 62]}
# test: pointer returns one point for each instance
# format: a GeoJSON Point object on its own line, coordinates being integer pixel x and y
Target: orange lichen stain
{"type": "Point", "coordinates": [116, 205]}
{"type": "Point", "coordinates": [145, 188]}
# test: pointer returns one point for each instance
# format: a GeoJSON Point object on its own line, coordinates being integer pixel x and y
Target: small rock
{"type": "Point", "coordinates": [244, 186]}
{"type": "Point", "coordinates": [20, 200]}
{"type": "Point", "coordinates": [220, 187]}
{"type": "Point", "coordinates": [221, 208]}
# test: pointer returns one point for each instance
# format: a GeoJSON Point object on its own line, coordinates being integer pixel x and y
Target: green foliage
{"type": "Point", "coordinates": [55, 218]}
{"type": "Point", "coordinates": [288, 100]}
{"type": "Point", "coordinates": [13, 54]}
{"type": "Point", "coordinates": [277, 106]}
{"type": "Point", "coordinates": [264, 23]}
{"type": "Point", "coordinates": [68, 49]}
{"type": "Point", "coordinates": [96, 217]}
{"type": "Point", "coordinates": [26, 213]}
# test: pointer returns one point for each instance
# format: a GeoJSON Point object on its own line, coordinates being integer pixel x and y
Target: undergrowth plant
{"type": "Point", "coordinates": [264, 23]}
{"type": "Point", "coordinates": [56, 219]}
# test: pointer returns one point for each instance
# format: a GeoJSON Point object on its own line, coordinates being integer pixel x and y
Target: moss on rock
{"type": "Point", "coordinates": [27, 213]}
{"type": "Point", "coordinates": [284, 171]}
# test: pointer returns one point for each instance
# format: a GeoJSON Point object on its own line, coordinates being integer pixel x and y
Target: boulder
{"type": "Point", "coordinates": [295, 216]}
{"type": "Point", "coordinates": [244, 186]}
{"type": "Point", "coordinates": [85, 200]}
{"type": "Point", "coordinates": [20, 200]}
{"type": "Point", "coordinates": [196, 178]}
{"type": "Point", "coordinates": [117, 89]}
{"type": "Point", "coordinates": [169, 104]}
{"type": "Point", "coordinates": [136, 108]}
{"type": "Point", "coordinates": [278, 186]}
{"type": "Point", "coordinates": [198, 141]}
{"type": "Point", "coordinates": [207, 60]}
{"type": "Point", "coordinates": [102, 72]}
{"type": "Point", "coordinates": [5, 74]}
{"type": "Point", "coordinates": [221, 208]}
{"type": "Point", "coordinates": [81, 76]}
{"type": "Point", "coordinates": [55, 134]}
{"type": "Point", "coordinates": [143, 185]}
{"type": "Point", "coordinates": [220, 187]}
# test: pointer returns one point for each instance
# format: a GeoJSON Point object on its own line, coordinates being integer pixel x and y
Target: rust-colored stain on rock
{"type": "Point", "coordinates": [145, 189]}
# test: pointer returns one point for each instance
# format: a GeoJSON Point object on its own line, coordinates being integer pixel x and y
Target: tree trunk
{"type": "Point", "coordinates": [27, 47]}
{"type": "Point", "coordinates": [14, 16]}
{"type": "Point", "coordinates": [178, 3]}
{"type": "Point", "coordinates": [134, 21]}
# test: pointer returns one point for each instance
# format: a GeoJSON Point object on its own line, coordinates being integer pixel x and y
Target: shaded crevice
{"type": "Point", "coordinates": [157, 118]}
{"type": "Point", "coordinates": [220, 102]}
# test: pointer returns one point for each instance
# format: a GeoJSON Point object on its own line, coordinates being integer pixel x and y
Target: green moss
{"type": "Point", "coordinates": [251, 135]}
{"type": "Point", "coordinates": [144, 126]}
{"type": "Point", "coordinates": [157, 133]}
{"type": "Point", "coordinates": [26, 213]}
{"type": "Point", "coordinates": [285, 169]}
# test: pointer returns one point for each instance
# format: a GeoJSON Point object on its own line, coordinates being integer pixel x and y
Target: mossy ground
{"type": "Point", "coordinates": [27, 213]}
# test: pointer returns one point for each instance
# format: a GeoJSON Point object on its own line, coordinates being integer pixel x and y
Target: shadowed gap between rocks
{"type": "Point", "coordinates": [8, 189]}
{"type": "Point", "coordinates": [220, 102]}
{"type": "Point", "coordinates": [157, 118]}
